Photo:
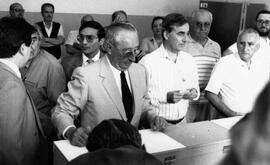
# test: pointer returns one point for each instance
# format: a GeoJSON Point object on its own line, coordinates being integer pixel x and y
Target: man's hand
{"type": "Point", "coordinates": [158, 124]}
{"type": "Point", "coordinates": [190, 94]}
{"type": "Point", "coordinates": [78, 136]}
{"type": "Point", "coordinates": [174, 96]}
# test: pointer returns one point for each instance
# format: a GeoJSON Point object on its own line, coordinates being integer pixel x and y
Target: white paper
{"type": "Point", "coordinates": [156, 142]}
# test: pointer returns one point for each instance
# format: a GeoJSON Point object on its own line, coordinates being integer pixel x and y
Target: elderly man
{"type": "Point", "coordinates": [72, 44]}
{"type": "Point", "coordinates": [16, 10]}
{"type": "Point", "coordinates": [206, 53]}
{"type": "Point", "coordinates": [113, 87]}
{"type": "Point", "coordinates": [263, 28]}
{"type": "Point", "coordinates": [237, 79]}
{"type": "Point", "coordinates": [52, 34]}
{"type": "Point", "coordinates": [21, 131]}
{"type": "Point", "coordinates": [91, 37]}
{"type": "Point", "coordinates": [45, 80]}
{"type": "Point", "coordinates": [172, 73]}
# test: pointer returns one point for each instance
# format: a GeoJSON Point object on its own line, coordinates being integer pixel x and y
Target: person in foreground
{"type": "Point", "coordinates": [21, 134]}
{"type": "Point", "coordinates": [113, 87]}
{"type": "Point", "coordinates": [115, 142]}
{"type": "Point", "coordinates": [251, 135]}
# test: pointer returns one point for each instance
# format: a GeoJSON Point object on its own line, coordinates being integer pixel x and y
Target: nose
{"type": "Point", "coordinates": [84, 40]}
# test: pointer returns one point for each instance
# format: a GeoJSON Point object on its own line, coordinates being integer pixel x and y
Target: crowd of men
{"type": "Point", "coordinates": [174, 77]}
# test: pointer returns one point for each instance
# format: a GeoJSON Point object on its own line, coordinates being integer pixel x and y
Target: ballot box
{"type": "Point", "coordinates": [206, 142]}
{"type": "Point", "coordinates": [159, 144]}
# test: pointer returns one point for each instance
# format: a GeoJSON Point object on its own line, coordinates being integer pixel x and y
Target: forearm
{"type": "Point", "coordinates": [54, 41]}
{"type": "Point", "coordinates": [216, 101]}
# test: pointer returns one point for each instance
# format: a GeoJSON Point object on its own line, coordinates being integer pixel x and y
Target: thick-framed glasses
{"type": "Point", "coordinates": [266, 22]}
{"type": "Point", "coordinates": [89, 38]}
{"type": "Point", "coordinates": [128, 52]}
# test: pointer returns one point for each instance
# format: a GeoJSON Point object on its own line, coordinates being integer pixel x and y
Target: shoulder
{"type": "Point", "coordinates": [214, 43]}
{"type": "Point", "coordinates": [147, 39]}
{"type": "Point", "coordinates": [69, 59]}
{"type": "Point", "coordinates": [149, 58]}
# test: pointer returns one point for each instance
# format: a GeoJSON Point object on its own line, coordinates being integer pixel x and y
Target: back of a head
{"type": "Point", "coordinates": [113, 133]}
{"type": "Point", "coordinates": [13, 33]}
{"type": "Point", "coordinates": [251, 136]}
{"type": "Point", "coordinates": [119, 16]}
{"type": "Point", "coordinates": [87, 18]}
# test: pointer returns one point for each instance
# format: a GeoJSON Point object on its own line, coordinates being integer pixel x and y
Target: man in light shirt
{"type": "Point", "coordinates": [52, 34]}
{"type": "Point", "coordinates": [91, 37]}
{"type": "Point", "coordinates": [113, 87]}
{"type": "Point", "coordinates": [238, 78]}
{"type": "Point", "coordinates": [206, 53]}
{"type": "Point", "coordinates": [172, 73]}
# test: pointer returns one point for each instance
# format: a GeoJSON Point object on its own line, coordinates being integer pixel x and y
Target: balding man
{"type": "Point", "coordinates": [72, 44]}
{"type": "Point", "coordinates": [238, 78]}
{"type": "Point", "coordinates": [206, 53]}
{"type": "Point", "coordinates": [16, 10]}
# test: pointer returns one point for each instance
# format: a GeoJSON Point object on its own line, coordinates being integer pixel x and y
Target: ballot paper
{"type": "Point", "coordinates": [157, 142]}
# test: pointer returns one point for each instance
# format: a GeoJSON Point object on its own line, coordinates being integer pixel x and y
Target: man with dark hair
{"type": "Point", "coordinates": [91, 37]}
{"type": "Point", "coordinates": [119, 16]}
{"type": "Point", "coordinates": [262, 25]}
{"type": "Point", "coordinates": [72, 44]}
{"type": "Point", "coordinates": [172, 73]}
{"type": "Point", "coordinates": [117, 142]}
{"type": "Point", "coordinates": [16, 10]}
{"type": "Point", "coordinates": [21, 132]}
{"type": "Point", "coordinates": [113, 87]}
{"type": "Point", "coordinates": [52, 33]}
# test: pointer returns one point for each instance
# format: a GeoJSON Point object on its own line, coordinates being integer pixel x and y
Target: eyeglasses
{"type": "Point", "coordinates": [203, 24]}
{"type": "Point", "coordinates": [266, 22]}
{"type": "Point", "coordinates": [128, 52]}
{"type": "Point", "coordinates": [89, 38]}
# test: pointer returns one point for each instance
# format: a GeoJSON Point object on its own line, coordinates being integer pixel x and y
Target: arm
{"type": "Point", "coordinates": [219, 105]}
{"type": "Point", "coordinates": [49, 42]}
{"type": "Point", "coordinates": [12, 116]}
{"type": "Point", "coordinates": [56, 82]}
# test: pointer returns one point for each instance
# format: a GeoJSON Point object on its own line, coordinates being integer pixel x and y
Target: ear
{"type": "Point", "coordinates": [257, 47]}
{"type": "Point", "coordinates": [107, 47]}
{"type": "Point", "coordinates": [165, 35]}
{"type": "Point", "coordinates": [22, 49]}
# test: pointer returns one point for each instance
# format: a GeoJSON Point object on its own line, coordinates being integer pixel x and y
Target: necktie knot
{"type": "Point", "coordinates": [89, 61]}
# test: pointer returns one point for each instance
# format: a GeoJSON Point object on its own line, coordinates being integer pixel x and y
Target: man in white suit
{"type": "Point", "coordinates": [98, 92]}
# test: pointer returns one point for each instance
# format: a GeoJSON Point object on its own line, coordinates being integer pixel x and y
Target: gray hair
{"type": "Point", "coordinates": [195, 13]}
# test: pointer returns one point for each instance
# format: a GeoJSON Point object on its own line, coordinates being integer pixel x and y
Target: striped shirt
{"type": "Point", "coordinates": [164, 75]}
{"type": "Point", "coordinates": [206, 57]}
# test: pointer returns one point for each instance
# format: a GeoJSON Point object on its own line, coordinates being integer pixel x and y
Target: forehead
{"type": "Point", "coordinates": [127, 39]}
{"type": "Point", "coordinates": [264, 16]}
{"type": "Point", "coordinates": [48, 8]}
{"type": "Point", "coordinates": [202, 17]}
{"type": "Point", "coordinates": [182, 28]}
{"type": "Point", "coordinates": [36, 34]}
{"type": "Point", "coordinates": [248, 37]}
{"type": "Point", "coordinates": [158, 21]}
{"type": "Point", "coordinates": [89, 31]}
{"type": "Point", "coordinates": [17, 6]}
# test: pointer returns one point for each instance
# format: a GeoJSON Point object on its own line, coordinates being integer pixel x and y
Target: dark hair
{"type": "Point", "coordinates": [156, 18]}
{"type": "Point", "coordinates": [13, 33]}
{"type": "Point", "coordinates": [46, 4]}
{"type": "Point", "coordinates": [94, 25]}
{"type": "Point", "coordinates": [262, 12]}
{"type": "Point", "coordinates": [113, 133]}
{"type": "Point", "coordinates": [114, 14]}
{"type": "Point", "coordinates": [172, 20]}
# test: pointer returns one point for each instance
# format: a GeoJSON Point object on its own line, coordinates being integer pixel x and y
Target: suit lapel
{"type": "Point", "coordinates": [108, 82]}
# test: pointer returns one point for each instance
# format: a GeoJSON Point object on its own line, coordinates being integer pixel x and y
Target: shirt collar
{"type": "Point", "coordinates": [95, 58]}
{"type": "Point", "coordinates": [164, 53]}
{"type": "Point", "coordinates": [12, 66]}
{"type": "Point", "coordinates": [46, 26]}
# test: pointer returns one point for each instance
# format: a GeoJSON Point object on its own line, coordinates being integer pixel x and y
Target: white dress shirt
{"type": "Point", "coordinates": [165, 75]}
{"type": "Point", "coordinates": [85, 58]}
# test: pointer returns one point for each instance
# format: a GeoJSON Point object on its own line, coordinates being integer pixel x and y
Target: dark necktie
{"type": "Point", "coordinates": [89, 61]}
{"type": "Point", "coordinates": [126, 97]}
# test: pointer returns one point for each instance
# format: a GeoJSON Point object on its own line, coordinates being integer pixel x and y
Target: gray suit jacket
{"type": "Point", "coordinates": [95, 95]}
{"type": "Point", "coordinates": [20, 129]}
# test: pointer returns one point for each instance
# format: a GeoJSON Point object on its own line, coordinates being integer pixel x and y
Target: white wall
{"type": "Point", "coordinates": [132, 7]}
